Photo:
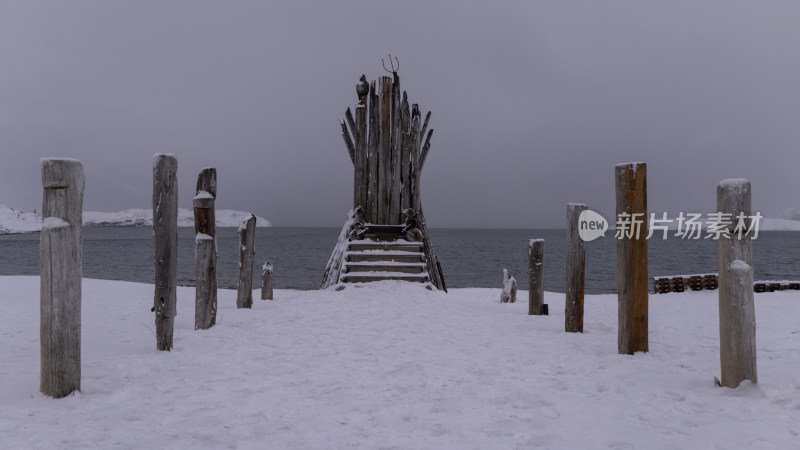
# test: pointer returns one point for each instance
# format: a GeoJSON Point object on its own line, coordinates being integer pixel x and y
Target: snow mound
{"type": "Point", "coordinates": [13, 221]}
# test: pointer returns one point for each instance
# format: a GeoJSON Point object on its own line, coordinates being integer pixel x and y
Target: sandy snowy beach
{"type": "Point", "coordinates": [396, 366]}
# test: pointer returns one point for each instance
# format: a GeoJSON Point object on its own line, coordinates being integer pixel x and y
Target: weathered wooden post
{"type": "Point", "coordinates": [632, 281]}
{"type": "Point", "coordinates": [205, 298]}
{"type": "Point", "coordinates": [60, 259]}
{"type": "Point", "coordinates": [509, 292]}
{"type": "Point", "coordinates": [535, 285]}
{"type": "Point", "coordinates": [737, 317]}
{"type": "Point", "coordinates": [266, 281]}
{"type": "Point", "coordinates": [576, 265]}
{"type": "Point", "coordinates": [165, 245]}
{"type": "Point", "coordinates": [247, 234]}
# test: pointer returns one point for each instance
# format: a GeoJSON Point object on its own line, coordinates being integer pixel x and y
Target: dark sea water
{"type": "Point", "coordinates": [469, 257]}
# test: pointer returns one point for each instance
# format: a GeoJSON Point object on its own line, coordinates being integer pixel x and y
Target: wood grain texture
{"type": "Point", "coordinates": [632, 280]}
{"type": "Point", "coordinates": [205, 301]}
{"type": "Point", "coordinates": [60, 263]}
{"type": "Point", "coordinates": [165, 246]}
{"type": "Point", "coordinates": [535, 281]}
{"type": "Point", "coordinates": [576, 266]}
{"type": "Point", "coordinates": [737, 318]}
{"type": "Point", "coordinates": [247, 251]}
{"type": "Point", "coordinates": [266, 281]}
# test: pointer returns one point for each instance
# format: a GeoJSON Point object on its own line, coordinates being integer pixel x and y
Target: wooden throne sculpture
{"type": "Point", "coordinates": [385, 236]}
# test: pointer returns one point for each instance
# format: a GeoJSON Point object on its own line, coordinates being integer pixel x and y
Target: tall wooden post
{"type": "Point", "coordinates": [384, 149]}
{"type": "Point", "coordinates": [60, 259]}
{"type": "Point", "coordinates": [205, 298]}
{"type": "Point", "coordinates": [247, 234]}
{"type": "Point", "coordinates": [371, 208]}
{"type": "Point", "coordinates": [576, 265]}
{"type": "Point", "coordinates": [737, 317]}
{"type": "Point", "coordinates": [266, 281]}
{"type": "Point", "coordinates": [361, 183]}
{"type": "Point", "coordinates": [165, 245]}
{"type": "Point", "coordinates": [535, 285]}
{"type": "Point", "coordinates": [632, 281]}
{"type": "Point", "coordinates": [405, 154]}
{"type": "Point", "coordinates": [396, 151]}
{"type": "Point", "coordinates": [414, 172]}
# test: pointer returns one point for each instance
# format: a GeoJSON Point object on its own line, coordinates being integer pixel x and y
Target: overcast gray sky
{"type": "Point", "coordinates": [533, 102]}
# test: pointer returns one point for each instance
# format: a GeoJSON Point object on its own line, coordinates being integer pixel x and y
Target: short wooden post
{"type": "Point", "coordinates": [509, 292]}
{"type": "Point", "coordinates": [165, 245]}
{"type": "Point", "coordinates": [737, 317]}
{"type": "Point", "coordinates": [247, 233]}
{"type": "Point", "coordinates": [205, 299]}
{"type": "Point", "coordinates": [535, 285]}
{"type": "Point", "coordinates": [576, 265]}
{"type": "Point", "coordinates": [60, 259]}
{"type": "Point", "coordinates": [632, 281]}
{"type": "Point", "coordinates": [266, 281]}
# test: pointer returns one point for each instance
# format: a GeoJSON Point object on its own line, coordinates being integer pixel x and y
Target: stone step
{"type": "Point", "coordinates": [401, 257]}
{"type": "Point", "coordinates": [388, 268]}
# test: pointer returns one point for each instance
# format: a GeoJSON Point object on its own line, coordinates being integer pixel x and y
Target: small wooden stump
{"type": "Point", "coordinates": [632, 281]}
{"type": "Point", "coordinates": [509, 293]}
{"type": "Point", "coordinates": [737, 317]}
{"type": "Point", "coordinates": [205, 299]}
{"type": "Point", "coordinates": [535, 285]}
{"type": "Point", "coordinates": [266, 281]}
{"type": "Point", "coordinates": [60, 259]}
{"type": "Point", "coordinates": [576, 265]}
{"type": "Point", "coordinates": [165, 246]}
{"type": "Point", "coordinates": [247, 233]}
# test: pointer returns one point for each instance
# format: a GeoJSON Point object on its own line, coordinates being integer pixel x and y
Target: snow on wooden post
{"type": "Point", "coordinates": [632, 281]}
{"type": "Point", "coordinates": [266, 281]}
{"type": "Point", "coordinates": [247, 233]}
{"type": "Point", "coordinates": [737, 318]}
{"type": "Point", "coordinates": [60, 259]}
{"type": "Point", "coordinates": [535, 286]}
{"type": "Point", "coordinates": [205, 298]}
{"type": "Point", "coordinates": [165, 246]}
{"type": "Point", "coordinates": [509, 293]}
{"type": "Point", "coordinates": [576, 265]}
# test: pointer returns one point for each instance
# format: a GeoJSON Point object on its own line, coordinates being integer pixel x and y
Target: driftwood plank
{"type": "Point", "coordinates": [384, 148]}
{"type": "Point", "coordinates": [395, 186]}
{"type": "Point", "coordinates": [165, 246]}
{"type": "Point", "coordinates": [576, 263]}
{"type": "Point", "coordinates": [60, 259]}
{"type": "Point", "coordinates": [535, 285]}
{"type": "Point", "coordinates": [425, 149]}
{"type": "Point", "coordinates": [348, 142]}
{"type": "Point", "coordinates": [371, 209]}
{"type": "Point", "coordinates": [405, 154]}
{"type": "Point", "coordinates": [414, 174]}
{"type": "Point", "coordinates": [205, 300]}
{"type": "Point", "coordinates": [632, 281]}
{"type": "Point", "coordinates": [360, 182]}
{"type": "Point", "coordinates": [247, 234]}
{"type": "Point", "coordinates": [737, 317]}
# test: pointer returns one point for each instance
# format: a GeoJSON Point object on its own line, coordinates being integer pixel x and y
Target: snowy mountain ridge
{"type": "Point", "coordinates": [13, 221]}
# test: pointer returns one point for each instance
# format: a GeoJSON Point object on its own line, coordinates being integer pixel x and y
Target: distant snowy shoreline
{"type": "Point", "coordinates": [13, 221]}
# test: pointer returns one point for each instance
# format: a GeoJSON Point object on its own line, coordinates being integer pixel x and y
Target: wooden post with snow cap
{"type": "Point", "coordinates": [737, 317]}
{"type": "Point", "coordinates": [535, 286]}
{"type": "Point", "coordinates": [632, 282]}
{"type": "Point", "coordinates": [247, 233]}
{"type": "Point", "coordinates": [205, 298]}
{"type": "Point", "coordinates": [266, 281]}
{"type": "Point", "coordinates": [576, 265]}
{"type": "Point", "coordinates": [60, 259]}
{"type": "Point", "coordinates": [165, 246]}
{"type": "Point", "coordinates": [509, 292]}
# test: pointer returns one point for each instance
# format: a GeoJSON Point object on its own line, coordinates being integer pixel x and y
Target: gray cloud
{"type": "Point", "coordinates": [533, 102]}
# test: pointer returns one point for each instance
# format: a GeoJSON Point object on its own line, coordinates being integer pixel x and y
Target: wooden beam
{"type": "Point", "coordinates": [247, 234]}
{"type": "Point", "coordinates": [205, 299]}
{"type": "Point", "coordinates": [425, 149]}
{"type": "Point", "coordinates": [371, 208]}
{"type": "Point", "coordinates": [535, 285]}
{"type": "Point", "coordinates": [576, 264]}
{"type": "Point", "coordinates": [414, 174]}
{"type": "Point", "coordinates": [60, 259]}
{"type": "Point", "coordinates": [405, 154]}
{"type": "Point", "coordinates": [424, 126]}
{"type": "Point", "coordinates": [350, 121]}
{"type": "Point", "coordinates": [266, 281]}
{"type": "Point", "coordinates": [632, 281]}
{"type": "Point", "coordinates": [384, 148]}
{"type": "Point", "coordinates": [395, 184]}
{"type": "Point", "coordinates": [737, 318]}
{"type": "Point", "coordinates": [351, 150]}
{"type": "Point", "coordinates": [165, 246]}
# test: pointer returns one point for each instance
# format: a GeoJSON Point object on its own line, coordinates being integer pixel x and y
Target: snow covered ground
{"type": "Point", "coordinates": [392, 365]}
{"type": "Point", "coordinates": [13, 221]}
